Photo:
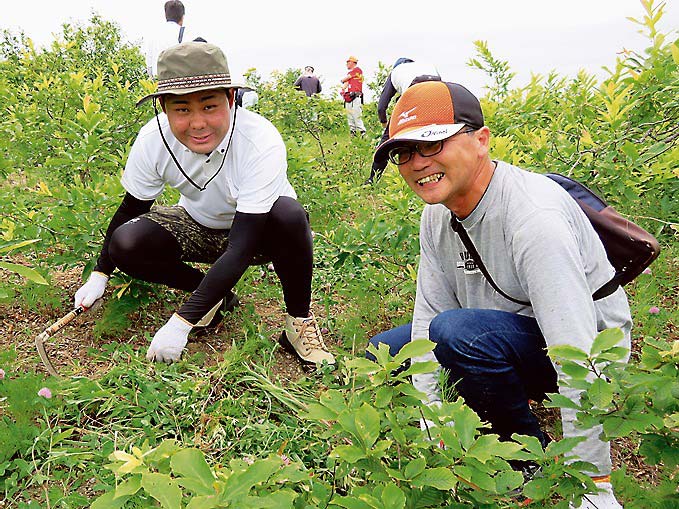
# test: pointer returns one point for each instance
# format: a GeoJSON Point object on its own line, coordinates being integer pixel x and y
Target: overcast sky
{"type": "Point", "coordinates": [532, 35]}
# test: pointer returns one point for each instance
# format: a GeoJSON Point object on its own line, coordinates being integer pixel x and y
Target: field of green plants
{"type": "Point", "coordinates": [237, 423]}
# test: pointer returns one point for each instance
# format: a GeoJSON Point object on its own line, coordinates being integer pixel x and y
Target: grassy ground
{"type": "Point", "coordinates": [236, 392]}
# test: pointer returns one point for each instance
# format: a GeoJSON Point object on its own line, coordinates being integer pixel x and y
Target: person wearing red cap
{"type": "Point", "coordinates": [541, 251]}
{"type": "Point", "coordinates": [352, 93]}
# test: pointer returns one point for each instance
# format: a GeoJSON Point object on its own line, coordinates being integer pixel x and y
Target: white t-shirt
{"type": "Point", "coordinates": [250, 99]}
{"type": "Point", "coordinates": [252, 178]}
{"type": "Point", "coordinates": [403, 75]}
{"type": "Point", "coordinates": [165, 35]}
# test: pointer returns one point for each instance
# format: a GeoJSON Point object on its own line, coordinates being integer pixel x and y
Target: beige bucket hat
{"type": "Point", "coordinates": [191, 67]}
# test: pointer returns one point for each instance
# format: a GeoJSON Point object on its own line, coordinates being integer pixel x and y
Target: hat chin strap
{"type": "Point", "coordinates": [174, 158]}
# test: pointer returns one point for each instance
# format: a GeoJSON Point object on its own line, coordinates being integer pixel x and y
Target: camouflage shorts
{"type": "Point", "coordinates": [199, 243]}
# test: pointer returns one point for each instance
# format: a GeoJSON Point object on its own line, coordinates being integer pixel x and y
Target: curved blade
{"type": "Point", "coordinates": [50, 331]}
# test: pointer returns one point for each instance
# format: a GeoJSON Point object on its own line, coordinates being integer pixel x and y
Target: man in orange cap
{"type": "Point", "coordinates": [352, 93]}
{"type": "Point", "coordinates": [544, 256]}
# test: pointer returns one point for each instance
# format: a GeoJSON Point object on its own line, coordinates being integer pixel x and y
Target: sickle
{"type": "Point", "coordinates": [53, 329]}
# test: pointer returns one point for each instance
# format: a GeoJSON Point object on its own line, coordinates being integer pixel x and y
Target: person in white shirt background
{"type": "Point", "coordinates": [170, 33]}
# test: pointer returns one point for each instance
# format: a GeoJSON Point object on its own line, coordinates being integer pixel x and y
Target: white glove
{"type": "Point", "coordinates": [602, 500]}
{"type": "Point", "coordinates": [92, 290]}
{"type": "Point", "coordinates": [169, 341]}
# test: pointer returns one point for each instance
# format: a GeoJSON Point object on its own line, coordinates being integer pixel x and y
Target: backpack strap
{"type": "Point", "coordinates": [181, 35]}
{"type": "Point", "coordinates": [464, 237]}
{"type": "Point", "coordinates": [457, 227]}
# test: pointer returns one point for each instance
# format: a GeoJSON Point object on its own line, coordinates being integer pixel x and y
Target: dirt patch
{"type": "Point", "coordinates": [70, 350]}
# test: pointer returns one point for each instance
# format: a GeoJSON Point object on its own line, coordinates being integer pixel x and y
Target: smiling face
{"type": "Point", "coordinates": [455, 177]}
{"type": "Point", "coordinates": [199, 120]}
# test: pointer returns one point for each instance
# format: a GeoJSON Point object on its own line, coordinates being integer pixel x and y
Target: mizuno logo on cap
{"type": "Point", "coordinates": [406, 117]}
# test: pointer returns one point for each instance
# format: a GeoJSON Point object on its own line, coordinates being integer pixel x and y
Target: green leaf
{"type": "Point", "coordinates": [420, 367]}
{"type": "Point", "coordinates": [563, 446]}
{"type": "Point", "coordinates": [278, 500]}
{"type": "Point", "coordinates": [606, 339]}
{"type": "Point", "coordinates": [109, 501]}
{"type": "Point", "coordinates": [413, 349]}
{"type": "Point", "coordinates": [440, 478]}
{"type": "Point", "coordinates": [317, 412]}
{"type": "Point", "coordinates": [615, 354]}
{"type": "Point", "coordinates": [163, 488]}
{"type": "Point", "coordinates": [393, 497]}
{"type": "Point", "coordinates": [488, 446]}
{"type": "Point", "coordinates": [362, 365]}
{"type": "Point", "coordinates": [202, 502]}
{"type": "Point", "coordinates": [240, 483]}
{"type": "Point", "coordinates": [675, 53]}
{"type": "Point", "coordinates": [396, 430]}
{"type": "Point", "coordinates": [466, 425]}
{"type": "Point", "coordinates": [26, 272]}
{"type": "Point", "coordinates": [128, 487]}
{"type": "Point", "coordinates": [531, 444]}
{"type": "Point", "coordinates": [508, 480]}
{"type": "Point", "coordinates": [11, 247]}
{"type": "Point", "coordinates": [349, 453]}
{"type": "Point", "coordinates": [368, 424]}
{"type": "Point", "coordinates": [190, 463]}
{"type": "Point", "coordinates": [569, 352]}
{"type": "Point", "coordinates": [601, 393]}
{"type": "Point", "coordinates": [575, 370]}
{"type": "Point", "coordinates": [383, 396]}
{"type": "Point", "coordinates": [557, 400]}
{"type": "Point", "coordinates": [538, 489]}
{"type": "Point", "coordinates": [415, 468]}
{"type": "Point", "coordinates": [351, 502]}
{"type": "Point", "coordinates": [615, 426]}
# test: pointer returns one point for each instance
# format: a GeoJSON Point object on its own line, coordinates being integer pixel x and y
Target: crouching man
{"type": "Point", "coordinates": [236, 207]}
{"type": "Point", "coordinates": [538, 247]}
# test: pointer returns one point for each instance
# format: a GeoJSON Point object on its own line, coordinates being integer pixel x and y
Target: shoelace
{"type": "Point", "coordinates": [310, 334]}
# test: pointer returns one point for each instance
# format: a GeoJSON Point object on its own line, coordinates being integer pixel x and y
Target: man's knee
{"type": "Point", "coordinates": [125, 245]}
{"type": "Point", "coordinates": [288, 214]}
{"type": "Point", "coordinates": [462, 336]}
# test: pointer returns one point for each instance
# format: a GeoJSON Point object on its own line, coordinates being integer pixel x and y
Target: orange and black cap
{"type": "Point", "coordinates": [431, 111]}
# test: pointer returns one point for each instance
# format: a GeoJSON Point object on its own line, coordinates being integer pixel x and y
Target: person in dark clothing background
{"type": "Point", "coordinates": [308, 82]}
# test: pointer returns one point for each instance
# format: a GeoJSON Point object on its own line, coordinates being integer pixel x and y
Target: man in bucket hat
{"type": "Point", "coordinates": [539, 248]}
{"type": "Point", "coordinates": [236, 207]}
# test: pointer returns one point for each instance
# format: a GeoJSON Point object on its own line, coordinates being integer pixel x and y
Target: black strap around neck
{"type": "Point", "coordinates": [174, 158]}
{"type": "Point", "coordinates": [457, 227]}
{"type": "Point", "coordinates": [181, 35]}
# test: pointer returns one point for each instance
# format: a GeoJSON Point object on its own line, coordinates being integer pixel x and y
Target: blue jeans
{"type": "Point", "coordinates": [497, 360]}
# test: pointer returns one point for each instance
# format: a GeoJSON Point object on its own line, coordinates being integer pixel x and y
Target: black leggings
{"type": "Point", "coordinates": [378, 166]}
{"type": "Point", "coordinates": [145, 250]}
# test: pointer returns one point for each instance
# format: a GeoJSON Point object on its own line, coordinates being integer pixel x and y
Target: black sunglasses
{"type": "Point", "coordinates": [404, 153]}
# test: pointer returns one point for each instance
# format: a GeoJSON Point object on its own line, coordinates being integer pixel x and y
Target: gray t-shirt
{"type": "Point", "coordinates": [538, 246]}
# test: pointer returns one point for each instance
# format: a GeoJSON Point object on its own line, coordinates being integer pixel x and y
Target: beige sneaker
{"type": "Point", "coordinates": [302, 337]}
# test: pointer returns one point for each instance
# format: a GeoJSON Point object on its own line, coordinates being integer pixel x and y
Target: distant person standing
{"type": "Point", "coordinates": [352, 93]}
{"type": "Point", "coordinates": [171, 33]}
{"type": "Point", "coordinates": [308, 82]}
{"type": "Point", "coordinates": [247, 97]}
{"type": "Point", "coordinates": [404, 73]}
